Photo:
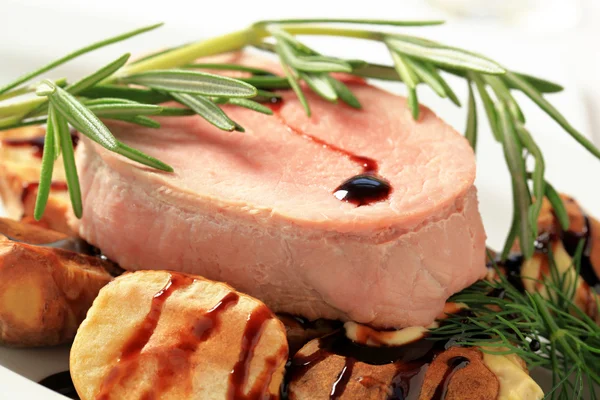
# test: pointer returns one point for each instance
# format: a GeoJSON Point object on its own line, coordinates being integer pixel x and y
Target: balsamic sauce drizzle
{"type": "Point", "coordinates": [411, 360]}
{"type": "Point", "coordinates": [187, 344]}
{"type": "Point", "coordinates": [36, 142]}
{"type": "Point", "coordinates": [339, 386]}
{"type": "Point", "coordinates": [61, 383]}
{"type": "Point", "coordinates": [126, 363]}
{"type": "Point", "coordinates": [28, 188]}
{"type": "Point", "coordinates": [169, 373]}
{"type": "Point", "coordinates": [239, 374]}
{"type": "Point", "coordinates": [360, 190]}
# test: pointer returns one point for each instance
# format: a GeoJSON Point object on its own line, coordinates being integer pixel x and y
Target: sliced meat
{"type": "Point", "coordinates": [257, 210]}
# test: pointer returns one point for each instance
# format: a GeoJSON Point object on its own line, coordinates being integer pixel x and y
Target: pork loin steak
{"type": "Point", "coordinates": [257, 210]}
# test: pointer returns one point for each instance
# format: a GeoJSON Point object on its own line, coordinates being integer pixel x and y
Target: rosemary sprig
{"type": "Point", "coordinates": [174, 74]}
{"type": "Point", "coordinates": [548, 331]}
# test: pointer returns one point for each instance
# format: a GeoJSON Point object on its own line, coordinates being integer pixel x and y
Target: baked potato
{"type": "Point", "coordinates": [157, 334]}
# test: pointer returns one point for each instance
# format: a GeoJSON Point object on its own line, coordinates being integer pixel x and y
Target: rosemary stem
{"type": "Point", "coordinates": [20, 109]}
{"type": "Point", "coordinates": [17, 92]}
{"type": "Point", "coordinates": [326, 31]}
{"type": "Point", "coordinates": [187, 54]}
{"type": "Point", "coordinates": [27, 89]}
{"type": "Point", "coordinates": [9, 121]}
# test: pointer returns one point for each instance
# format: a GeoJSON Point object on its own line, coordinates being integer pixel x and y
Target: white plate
{"type": "Point", "coordinates": [570, 168]}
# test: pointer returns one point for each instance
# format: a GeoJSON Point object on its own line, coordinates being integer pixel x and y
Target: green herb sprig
{"type": "Point", "coordinates": [132, 93]}
{"type": "Point", "coordinates": [504, 320]}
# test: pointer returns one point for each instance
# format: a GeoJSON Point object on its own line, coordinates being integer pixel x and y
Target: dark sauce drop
{"type": "Point", "coordinates": [275, 103]}
{"type": "Point", "coordinates": [363, 189]}
{"type": "Point", "coordinates": [360, 190]}
{"type": "Point", "coordinates": [571, 241]}
{"type": "Point", "coordinates": [37, 142]}
{"type": "Point", "coordinates": [61, 383]}
{"type": "Point", "coordinates": [535, 345]}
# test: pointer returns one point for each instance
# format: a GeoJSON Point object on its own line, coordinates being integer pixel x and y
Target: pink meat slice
{"type": "Point", "coordinates": [256, 209]}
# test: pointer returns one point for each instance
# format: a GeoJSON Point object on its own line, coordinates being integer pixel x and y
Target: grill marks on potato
{"type": "Point", "coordinates": [127, 362]}
{"type": "Point", "coordinates": [174, 360]}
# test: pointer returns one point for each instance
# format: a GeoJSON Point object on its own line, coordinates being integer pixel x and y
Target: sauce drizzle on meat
{"type": "Point", "coordinates": [363, 189]}
{"type": "Point", "coordinates": [360, 190]}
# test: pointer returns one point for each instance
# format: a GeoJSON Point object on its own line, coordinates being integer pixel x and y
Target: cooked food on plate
{"type": "Point", "coordinates": [205, 223]}
{"type": "Point", "coordinates": [45, 291]}
{"type": "Point", "coordinates": [181, 337]}
{"type": "Point", "coordinates": [20, 164]}
{"type": "Point", "coordinates": [267, 194]}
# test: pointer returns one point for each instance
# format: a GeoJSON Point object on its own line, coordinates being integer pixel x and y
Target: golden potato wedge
{"type": "Point", "coordinates": [164, 335]}
{"type": "Point", "coordinates": [20, 164]}
{"type": "Point", "coordinates": [45, 292]}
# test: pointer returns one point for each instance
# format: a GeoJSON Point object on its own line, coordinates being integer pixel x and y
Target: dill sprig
{"type": "Point", "coordinates": [546, 329]}
{"type": "Point", "coordinates": [132, 93]}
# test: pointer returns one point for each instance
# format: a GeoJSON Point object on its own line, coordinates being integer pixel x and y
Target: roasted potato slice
{"type": "Point", "coordinates": [20, 165]}
{"type": "Point", "coordinates": [45, 292]}
{"type": "Point", "coordinates": [164, 335]}
{"type": "Point", "coordinates": [336, 367]}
